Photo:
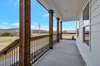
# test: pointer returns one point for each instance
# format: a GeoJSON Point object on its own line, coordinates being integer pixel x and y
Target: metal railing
{"type": "Point", "coordinates": [9, 56]}
{"type": "Point", "coordinates": [39, 45]}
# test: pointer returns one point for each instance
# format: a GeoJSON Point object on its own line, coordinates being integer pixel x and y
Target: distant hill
{"type": "Point", "coordinates": [11, 30]}
{"type": "Point", "coordinates": [69, 31]}
{"type": "Point", "coordinates": [15, 30]}
{"type": "Point", "coordinates": [41, 31]}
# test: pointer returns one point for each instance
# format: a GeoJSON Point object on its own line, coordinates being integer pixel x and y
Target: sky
{"type": "Point", "coordinates": [9, 16]}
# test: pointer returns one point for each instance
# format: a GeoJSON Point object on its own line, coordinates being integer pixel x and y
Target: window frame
{"type": "Point", "coordinates": [86, 17]}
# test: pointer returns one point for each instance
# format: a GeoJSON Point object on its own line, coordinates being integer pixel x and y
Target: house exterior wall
{"type": "Point", "coordinates": [82, 46]}
{"type": "Point", "coordinates": [95, 33]}
{"type": "Point", "coordinates": [91, 54]}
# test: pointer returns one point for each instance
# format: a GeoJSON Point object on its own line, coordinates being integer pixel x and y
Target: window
{"type": "Point", "coordinates": [86, 34]}
{"type": "Point", "coordinates": [86, 13]}
{"type": "Point", "coordinates": [86, 28]}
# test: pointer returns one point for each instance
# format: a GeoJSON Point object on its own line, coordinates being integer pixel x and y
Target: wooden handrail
{"type": "Point", "coordinates": [39, 37]}
{"type": "Point", "coordinates": [68, 33]}
{"type": "Point", "coordinates": [16, 43]}
{"type": "Point", "coordinates": [9, 47]}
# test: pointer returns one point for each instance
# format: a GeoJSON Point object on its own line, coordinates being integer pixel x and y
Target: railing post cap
{"type": "Point", "coordinates": [51, 11]}
{"type": "Point", "coordinates": [57, 18]}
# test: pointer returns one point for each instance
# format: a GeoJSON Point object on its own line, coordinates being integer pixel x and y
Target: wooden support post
{"type": "Point", "coordinates": [51, 29]}
{"type": "Point", "coordinates": [24, 46]}
{"type": "Point", "coordinates": [61, 30]}
{"type": "Point", "coordinates": [58, 35]}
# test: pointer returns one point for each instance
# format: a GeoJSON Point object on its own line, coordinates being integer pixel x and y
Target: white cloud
{"type": "Point", "coordinates": [15, 24]}
{"type": "Point", "coordinates": [46, 15]}
{"type": "Point", "coordinates": [69, 28]}
{"type": "Point", "coordinates": [44, 28]}
{"type": "Point", "coordinates": [4, 27]}
{"type": "Point", "coordinates": [41, 27]}
{"type": "Point", "coordinates": [4, 23]}
{"type": "Point", "coordinates": [34, 23]}
{"type": "Point", "coordinates": [32, 27]}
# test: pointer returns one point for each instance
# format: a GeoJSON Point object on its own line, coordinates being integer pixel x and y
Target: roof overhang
{"type": "Point", "coordinates": [67, 10]}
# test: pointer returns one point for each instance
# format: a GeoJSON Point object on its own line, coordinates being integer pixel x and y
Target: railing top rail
{"type": "Point", "coordinates": [68, 33]}
{"type": "Point", "coordinates": [39, 37]}
{"type": "Point", "coordinates": [9, 47]}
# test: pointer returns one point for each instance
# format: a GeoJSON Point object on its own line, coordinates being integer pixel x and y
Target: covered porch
{"type": "Point", "coordinates": [65, 53]}
{"type": "Point", "coordinates": [23, 52]}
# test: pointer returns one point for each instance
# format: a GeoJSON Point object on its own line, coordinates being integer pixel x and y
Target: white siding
{"type": "Point", "coordinates": [95, 33]}
{"type": "Point", "coordinates": [83, 48]}
{"type": "Point", "coordinates": [91, 55]}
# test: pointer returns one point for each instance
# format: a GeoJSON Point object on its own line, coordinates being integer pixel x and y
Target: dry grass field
{"type": "Point", "coordinates": [5, 41]}
{"type": "Point", "coordinates": [68, 36]}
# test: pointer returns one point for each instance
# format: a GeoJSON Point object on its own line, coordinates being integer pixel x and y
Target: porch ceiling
{"type": "Point", "coordinates": [67, 10]}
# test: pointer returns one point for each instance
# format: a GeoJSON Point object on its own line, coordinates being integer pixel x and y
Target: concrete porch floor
{"type": "Point", "coordinates": [64, 53]}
